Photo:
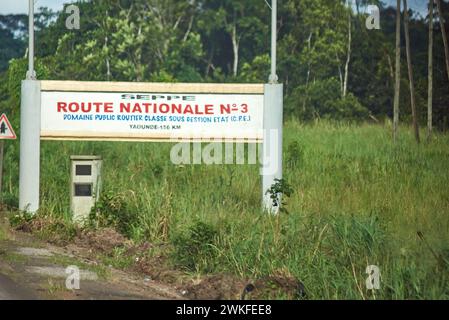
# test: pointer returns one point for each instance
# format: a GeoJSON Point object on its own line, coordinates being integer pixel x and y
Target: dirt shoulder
{"type": "Point", "coordinates": [112, 267]}
{"type": "Point", "coordinates": [33, 269]}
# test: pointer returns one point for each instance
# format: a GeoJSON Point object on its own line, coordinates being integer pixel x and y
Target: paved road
{"type": "Point", "coordinates": [9, 290]}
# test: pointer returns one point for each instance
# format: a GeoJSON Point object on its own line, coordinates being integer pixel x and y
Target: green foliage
{"type": "Point", "coordinates": [280, 190]}
{"type": "Point", "coordinates": [195, 249]}
{"type": "Point", "coordinates": [354, 203]}
{"type": "Point", "coordinates": [295, 154]}
{"type": "Point", "coordinates": [256, 71]}
{"type": "Point", "coordinates": [17, 72]}
{"type": "Point", "coordinates": [348, 107]}
{"type": "Point", "coordinates": [228, 41]}
{"type": "Point", "coordinates": [354, 197]}
{"type": "Point", "coordinates": [323, 99]}
{"type": "Point", "coordinates": [10, 48]}
{"type": "Point", "coordinates": [45, 225]}
{"type": "Point", "coordinates": [20, 219]}
{"type": "Point", "coordinates": [112, 211]}
{"type": "Point", "coordinates": [358, 235]}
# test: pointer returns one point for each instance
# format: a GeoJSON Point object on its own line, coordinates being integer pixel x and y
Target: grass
{"type": "Point", "coordinates": [357, 200]}
{"type": "Point", "coordinates": [3, 233]}
{"type": "Point", "coordinates": [13, 257]}
{"type": "Point", "coordinates": [54, 286]}
{"type": "Point", "coordinates": [118, 259]}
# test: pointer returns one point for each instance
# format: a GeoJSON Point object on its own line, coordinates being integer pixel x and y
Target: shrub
{"type": "Point", "coordinates": [195, 248]}
{"type": "Point", "coordinates": [322, 98]}
{"type": "Point", "coordinates": [112, 210]}
{"type": "Point", "coordinates": [295, 154]}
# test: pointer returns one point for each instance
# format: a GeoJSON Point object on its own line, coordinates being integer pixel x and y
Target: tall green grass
{"type": "Point", "coordinates": [357, 200]}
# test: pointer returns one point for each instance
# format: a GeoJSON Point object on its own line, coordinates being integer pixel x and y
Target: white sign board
{"type": "Point", "coordinates": [152, 115]}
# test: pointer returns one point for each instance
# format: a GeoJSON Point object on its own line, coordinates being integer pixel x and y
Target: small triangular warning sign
{"type": "Point", "coordinates": [6, 130]}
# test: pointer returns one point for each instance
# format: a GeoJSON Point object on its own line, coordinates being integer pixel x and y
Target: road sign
{"type": "Point", "coordinates": [6, 130]}
{"type": "Point", "coordinates": [117, 111]}
{"type": "Point", "coordinates": [151, 112]}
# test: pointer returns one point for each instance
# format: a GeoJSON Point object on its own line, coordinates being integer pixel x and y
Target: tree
{"type": "Point", "coordinates": [326, 25]}
{"type": "Point", "coordinates": [443, 33]}
{"type": "Point", "coordinates": [116, 42]}
{"type": "Point", "coordinates": [12, 38]}
{"type": "Point", "coordinates": [232, 22]}
{"type": "Point", "coordinates": [328, 70]}
{"type": "Point", "coordinates": [397, 86]}
{"type": "Point", "coordinates": [410, 72]}
{"type": "Point", "coordinates": [9, 48]}
{"type": "Point", "coordinates": [348, 53]}
{"type": "Point", "coordinates": [430, 73]}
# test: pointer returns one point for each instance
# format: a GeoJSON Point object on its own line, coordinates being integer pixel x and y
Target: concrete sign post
{"type": "Point", "coordinates": [272, 143]}
{"type": "Point", "coordinates": [274, 8]}
{"type": "Point", "coordinates": [273, 123]}
{"type": "Point", "coordinates": [31, 74]}
{"type": "Point", "coordinates": [30, 127]}
{"type": "Point", "coordinates": [30, 130]}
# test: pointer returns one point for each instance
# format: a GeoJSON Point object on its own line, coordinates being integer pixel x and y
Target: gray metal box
{"type": "Point", "coordinates": [85, 185]}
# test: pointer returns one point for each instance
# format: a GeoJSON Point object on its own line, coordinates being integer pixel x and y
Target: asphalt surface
{"type": "Point", "coordinates": [10, 290]}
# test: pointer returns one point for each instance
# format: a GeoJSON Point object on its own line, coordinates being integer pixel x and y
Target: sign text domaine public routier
{"type": "Point", "coordinates": [151, 111]}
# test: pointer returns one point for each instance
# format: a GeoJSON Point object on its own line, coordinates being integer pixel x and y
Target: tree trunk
{"type": "Point", "coordinates": [108, 65]}
{"type": "Point", "coordinates": [309, 41]}
{"type": "Point", "coordinates": [348, 57]}
{"type": "Point", "coordinates": [340, 74]}
{"type": "Point", "coordinates": [235, 48]}
{"type": "Point", "coordinates": [390, 66]}
{"type": "Point", "coordinates": [397, 86]}
{"type": "Point", "coordinates": [186, 35]}
{"type": "Point", "coordinates": [209, 62]}
{"type": "Point", "coordinates": [430, 74]}
{"type": "Point", "coordinates": [410, 72]}
{"type": "Point", "coordinates": [443, 33]}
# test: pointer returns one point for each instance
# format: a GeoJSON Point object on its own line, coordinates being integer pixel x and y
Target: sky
{"type": "Point", "coordinates": [416, 5]}
{"type": "Point", "coordinates": [21, 6]}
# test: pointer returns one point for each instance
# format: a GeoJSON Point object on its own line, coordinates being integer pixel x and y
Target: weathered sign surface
{"type": "Point", "coordinates": [151, 111]}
